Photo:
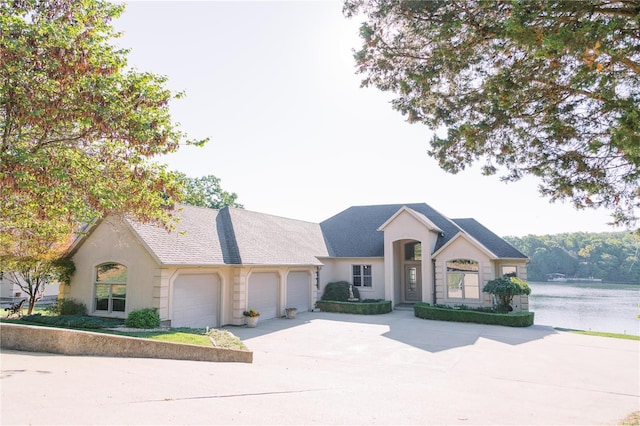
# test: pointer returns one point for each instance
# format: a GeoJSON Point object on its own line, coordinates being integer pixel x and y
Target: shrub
{"type": "Point", "coordinates": [519, 319]}
{"type": "Point", "coordinates": [68, 307]}
{"type": "Point", "coordinates": [339, 291]}
{"type": "Point", "coordinates": [369, 308]}
{"type": "Point", "coordinates": [143, 318]}
{"type": "Point", "coordinates": [505, 287]}
{"type": "Point", "coordinates": [73, 321]}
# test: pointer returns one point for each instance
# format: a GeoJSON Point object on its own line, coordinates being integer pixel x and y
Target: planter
{"type": "Point", "coordinates": [291, 312]}
{"type": "Point", "coordinates": [252, 322]}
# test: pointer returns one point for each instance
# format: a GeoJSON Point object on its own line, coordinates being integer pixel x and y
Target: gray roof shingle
{"type": "Point", "coordinates": [491, 241]}
{"type": "Point", "coordinates": [233, 236]}
{"type": "Point", "coordinates": [354, 231]}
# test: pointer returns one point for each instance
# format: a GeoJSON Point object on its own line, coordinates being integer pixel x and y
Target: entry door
{"type": "Point", "coordinates": [412, 283]}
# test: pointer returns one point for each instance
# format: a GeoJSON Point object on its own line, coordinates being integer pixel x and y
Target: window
{"type": "Point", "coordinates": [111, 287]}
{"type": "Point", "coordinates": [362, 276]}
{"type": "Point", "coordinates": [512, 271]}
{"type": "Point", "coordinates": [413, 251]}
{"type": "Point", "coordinates": [463, 279]}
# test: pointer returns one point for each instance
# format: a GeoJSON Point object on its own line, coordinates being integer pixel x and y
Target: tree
{"type": "Point", "coordinates": [504, 288]}
{"type": "Point", "coordinates": [549, 88]}
{"type": "Point", "coordinates": [206, 192]}
{"type": "Point", "coordinates": [33, 273]}
{"type": "Point", "coordinates": [77, 129]}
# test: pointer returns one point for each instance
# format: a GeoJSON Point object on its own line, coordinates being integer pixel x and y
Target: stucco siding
{"type": "Point", "coordinates": [113, 241]}
{"type": "Point", "coordinates": [463, 249]}
{"type": "Point", "coordinates": [341, 270]}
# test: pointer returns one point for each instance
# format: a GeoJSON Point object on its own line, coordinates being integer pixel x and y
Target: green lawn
{"type": "Point", "coordinates": [601, 334]}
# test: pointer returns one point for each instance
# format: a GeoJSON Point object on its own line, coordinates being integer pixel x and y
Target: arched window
{"type": "Point", "coordinates": [463, 281]}
{"type": "Point", "coordinates": [111, 287]}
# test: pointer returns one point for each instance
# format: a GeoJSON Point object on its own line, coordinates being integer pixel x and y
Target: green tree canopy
{"type": "Point", "coordinates": [78, 129]}
{"type": "Point", "coordinates": [549, 88]}
{"type": "Point", "coordinates": [206, 191]}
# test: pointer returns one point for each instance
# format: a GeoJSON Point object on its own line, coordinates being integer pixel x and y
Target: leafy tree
{"type": "Point", "coordinates": [610, 256]}
{"type": "Point", "coordinates": [206, 192]}
{"type": "Point", "coordinates": [77, 129]}
{"type": "Point", "coordinates": [543, 87]}
{"type": "Point", "coordinates": [34, 272]}
{"type": "Point", "coordinates": [504, 288]}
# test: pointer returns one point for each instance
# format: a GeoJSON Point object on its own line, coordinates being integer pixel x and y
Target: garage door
{"type": "Point", "coordinates": [298, 291]}
{"type": "Point", "coordinates": [263, 294]}
{"type": "Point", "coordinates": [196, 300]}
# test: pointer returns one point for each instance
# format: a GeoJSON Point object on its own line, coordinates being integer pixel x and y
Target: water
{"type": "Point", "coordinates": [587, 306]}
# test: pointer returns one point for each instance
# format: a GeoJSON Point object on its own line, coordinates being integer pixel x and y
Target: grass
{"type": "Point", "coordinates": [600, 333]}
{"type": "Point", "coordinates": [632, 419]}
{"type": "Point", "coordinates": [191, 336]}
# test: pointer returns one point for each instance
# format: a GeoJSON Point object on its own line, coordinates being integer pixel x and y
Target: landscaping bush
{"type": "Point", "coordinates": [73, 321]}
{"type": "Point", "coordinates": [518, 319]}
{"type": "Point", "coordinates": [68, 307]}
{"type": "Point", "coordinates": [143, 318]}
{"type": "Point", "coordinates": [339, 291]}
{"type": "Point", "coordinates": [369, 308]}
{"type": "Point", "coordinates": [504, 288]}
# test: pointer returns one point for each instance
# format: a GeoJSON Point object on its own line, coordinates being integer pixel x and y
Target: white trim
{"type": "Point", "coordinates": [418, 216]}
{"type": "Point", "coordinates": [469, 239]}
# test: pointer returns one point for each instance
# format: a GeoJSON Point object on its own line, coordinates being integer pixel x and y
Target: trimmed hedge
{"type": "Point", "coordinates": [515, 319]}
{"type": "Point", "coordinates": [369, 308]}
{"type": "Point", "coordinates": [73, 321]}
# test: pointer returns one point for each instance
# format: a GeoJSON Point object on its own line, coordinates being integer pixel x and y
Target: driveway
{"type": "Point", "coordinates": [323, 368]}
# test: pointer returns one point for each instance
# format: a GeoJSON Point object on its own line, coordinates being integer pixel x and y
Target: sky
{"type": "Point", "coordinates": [275, 88]}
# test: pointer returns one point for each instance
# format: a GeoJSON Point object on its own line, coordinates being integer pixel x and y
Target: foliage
{"type": "Point", "coordinates": [517, 319]}
{"type": "Point", "coordinates": [339, 291]}
{"type": "Point", "coordinates": [225, 339]}
{"type": "Point", "coordinates": [78, 129]}
{"type": "Point", "coordinates": [361, 308]}
{"type": "Point", "coordinates": [206, 191]}
{"type": "Point", "coordinates": [549, 88]}
{"type": "Point", "coordinates": [68, 307]}
{"type": "Point", "coordinates": [32, 273]}
{"type": "Point", "coordinates": [505, 287]}
{"type": "Point", "coordinates": [251, 313]}
{"type": "Point", "coordinates": [143, 318]}
{"type": "Point", "coordinates": [73, 321]}
{"type": "Point", "coordinates": [610, 256]}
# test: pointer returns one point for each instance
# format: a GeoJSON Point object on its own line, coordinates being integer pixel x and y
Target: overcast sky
{"type": "Point", "coordinates": [274, 85]}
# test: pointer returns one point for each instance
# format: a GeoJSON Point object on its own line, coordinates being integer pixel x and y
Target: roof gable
{"type": "Point", "coordinates": [354, 231]}
{"type": "Point", "coordinates": [418, 216]}
{"type": "Point", "coordinates": [496, 245]}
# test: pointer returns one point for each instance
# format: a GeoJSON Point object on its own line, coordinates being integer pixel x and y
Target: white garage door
{"type": "Point", "coordinates": [263, 294]}
{"type": "Point", "coordinates": [196, 300]}
{"type": "Point", "coordinates": [298, 291]}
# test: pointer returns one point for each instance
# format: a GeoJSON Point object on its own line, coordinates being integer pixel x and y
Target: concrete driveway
{"type": "Point", "coordinates": [323, 368]}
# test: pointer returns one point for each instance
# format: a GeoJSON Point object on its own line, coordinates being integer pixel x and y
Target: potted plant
{"type": "Point", "coordinates": [252, 317]}
{"type": "Point", "coordinates": [291, 312]}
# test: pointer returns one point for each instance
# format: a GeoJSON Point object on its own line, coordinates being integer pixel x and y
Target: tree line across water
{"type": "Point", "coordinates": [609, 256]}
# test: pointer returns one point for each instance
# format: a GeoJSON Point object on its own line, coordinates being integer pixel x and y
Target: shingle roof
{"type": "Point", "coordinates": [195, 240]}
{"type": "Point", "coordinates": [491, 241]}
{"type": "Point", "coordinates": [233, 236]}
{"type": "Point", "coordinates": [272, 240]}
{"type": "Point", "coordinates": [354, 231]}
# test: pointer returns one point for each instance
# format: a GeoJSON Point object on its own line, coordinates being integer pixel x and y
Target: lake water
{"type": "Point", "coordinates": [587, 306]}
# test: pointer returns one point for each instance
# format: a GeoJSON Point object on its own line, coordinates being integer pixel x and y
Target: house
{"type": "Point", "coordinates": [218, 263]}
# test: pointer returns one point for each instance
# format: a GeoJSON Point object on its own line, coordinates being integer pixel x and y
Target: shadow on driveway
{"type": "Point", "coordinates": [399, 325]}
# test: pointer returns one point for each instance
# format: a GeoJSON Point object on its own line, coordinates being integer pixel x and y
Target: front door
{"type": "Point", "coordinates": [412, 283]}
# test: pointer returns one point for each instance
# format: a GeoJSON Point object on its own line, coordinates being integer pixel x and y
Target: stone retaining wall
{"type": "Point", "coordinates": [75, 342]}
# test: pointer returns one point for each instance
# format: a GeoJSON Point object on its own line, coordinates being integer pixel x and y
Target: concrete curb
{"type": "Point", "coordinates": [74, 342]}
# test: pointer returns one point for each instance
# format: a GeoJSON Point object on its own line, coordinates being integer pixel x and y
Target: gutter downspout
{"type": "Point", "coordinates": [433, 271]}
